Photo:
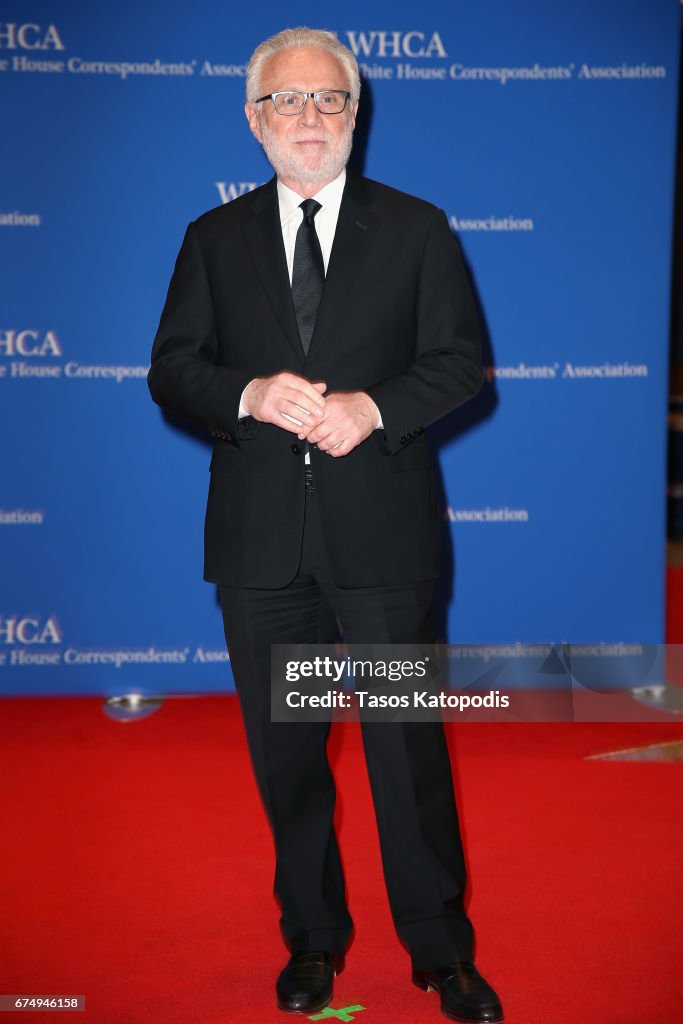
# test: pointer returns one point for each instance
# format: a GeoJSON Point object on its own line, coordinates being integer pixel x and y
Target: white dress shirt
{"type": "Point", "coordinates": [291, 216]}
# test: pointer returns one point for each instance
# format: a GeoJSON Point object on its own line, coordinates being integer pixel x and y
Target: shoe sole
{"type": "Point", "coordinates": [304, 1013]}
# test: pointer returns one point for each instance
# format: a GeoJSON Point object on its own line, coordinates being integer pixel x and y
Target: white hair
{"type": "Point", "coordinates": [292, 37]}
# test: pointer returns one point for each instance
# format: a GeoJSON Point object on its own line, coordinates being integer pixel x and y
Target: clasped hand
{"type": "Point", "coordinates": [336, 423]}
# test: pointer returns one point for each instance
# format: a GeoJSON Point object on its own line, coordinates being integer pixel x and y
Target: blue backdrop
{"type": "Point", "coordinates": [546, 131]}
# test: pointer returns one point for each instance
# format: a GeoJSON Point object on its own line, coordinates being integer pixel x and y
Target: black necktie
{"type": "Point", "coordinates": [308, 273]}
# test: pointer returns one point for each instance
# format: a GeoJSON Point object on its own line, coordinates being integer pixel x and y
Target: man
{"type": "Point", "coordinates": [315, 326]}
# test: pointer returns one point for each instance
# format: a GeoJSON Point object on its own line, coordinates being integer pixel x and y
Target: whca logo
{"type": "Point", "coordinates": [29, 342]}
{"type": "Point", "coordinates": [396, 44]}
{"type": "Point", "coordinates": [229, 190]}
{"type": "Point", "coordinates": [29, 629]}
{"type": "Point", "coordinates": [29, 37]}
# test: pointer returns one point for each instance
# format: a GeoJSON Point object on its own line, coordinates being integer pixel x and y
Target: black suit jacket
{"type": "Point", "coordinates": [396, 319]}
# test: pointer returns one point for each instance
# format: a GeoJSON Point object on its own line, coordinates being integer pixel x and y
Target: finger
{"type": "Point", "coordinates": [306, 433]}
{"type": "Point", "coordinates": [305, 394]}
{"type": "Point", "coordinates": [340, 449]}
{"type": "Point", "coordinates": [322, 433]}
{"type": "Point", "coordinates": [292, 388]}
{"type": "Point", "coordinates": [331, 440]}
{"type": "Point", "coordinates": [310, 415]}
{"type": "Point", "coordinates": [297, 423]}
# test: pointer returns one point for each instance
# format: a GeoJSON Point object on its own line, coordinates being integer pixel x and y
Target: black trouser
{"type": "Point", "coordinates": [408, 765]}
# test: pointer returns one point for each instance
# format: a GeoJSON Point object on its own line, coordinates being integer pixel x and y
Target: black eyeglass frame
{"type": "Point", "coordinates": [306, 95]}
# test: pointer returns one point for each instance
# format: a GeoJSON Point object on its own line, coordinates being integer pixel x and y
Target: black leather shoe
{"type": "Point", "coordinates": [465, 996]}
{"type": "Point", "coordinates": [305, 985]}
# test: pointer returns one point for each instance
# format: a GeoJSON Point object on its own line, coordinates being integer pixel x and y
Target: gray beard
{"type": "Point", "coordinates": [287, 166]}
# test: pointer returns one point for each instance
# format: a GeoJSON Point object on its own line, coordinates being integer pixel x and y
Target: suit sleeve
{"type": "Point", "coordinates": [447, 369]}
{"type": "Point", "coordinates": [184, 376]}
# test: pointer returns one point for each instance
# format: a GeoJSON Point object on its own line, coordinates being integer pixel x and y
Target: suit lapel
{"type": "Point", "coordinates": [264, 236]}
{"type": "Point", "coordinates": [356, 229]}
{"type": "Point", "coordinates": [353, 237]}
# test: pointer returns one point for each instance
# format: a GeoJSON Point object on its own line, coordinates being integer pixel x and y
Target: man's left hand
{"type": "Point", "coordinates": [350, 417]}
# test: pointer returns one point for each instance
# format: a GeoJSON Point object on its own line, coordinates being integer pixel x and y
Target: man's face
{"type": "Point", "coordinates": [309, 148]}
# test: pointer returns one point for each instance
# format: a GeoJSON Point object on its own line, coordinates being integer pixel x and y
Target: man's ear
{"type": "Point", "coordinates": [251, 113]}
{"type": "Point", "coordinates": [354, 112]}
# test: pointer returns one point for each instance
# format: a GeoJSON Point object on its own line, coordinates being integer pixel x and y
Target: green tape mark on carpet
{"type": "Point", "coordinates": [344, 1013]}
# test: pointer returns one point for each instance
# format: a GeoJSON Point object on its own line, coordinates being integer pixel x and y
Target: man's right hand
{"type": "Point", "coordinates": [285, 399]}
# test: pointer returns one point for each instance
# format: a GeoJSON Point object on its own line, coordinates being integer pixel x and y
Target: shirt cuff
{"type": "Point", "coordinates": [242, 412]}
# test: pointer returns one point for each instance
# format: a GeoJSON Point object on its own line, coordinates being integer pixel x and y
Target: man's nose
{"type": "Point", "coordinates": [310, 115]}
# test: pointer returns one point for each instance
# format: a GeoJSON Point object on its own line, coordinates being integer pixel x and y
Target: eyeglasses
{"type": "Point", "coordinates": [329, 101]}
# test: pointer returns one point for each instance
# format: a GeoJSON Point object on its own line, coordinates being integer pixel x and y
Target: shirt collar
{"type": "Point", "coordinates": [329, 196]}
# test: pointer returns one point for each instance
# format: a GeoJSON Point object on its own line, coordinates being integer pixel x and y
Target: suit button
{"type": "Point", "coordinates": [403, 439]}
{"type": "Point", "coordinates": [295, 449]}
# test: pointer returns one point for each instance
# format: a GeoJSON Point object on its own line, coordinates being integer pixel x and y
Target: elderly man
{"type": "Point", "coordinates": [315, 327]}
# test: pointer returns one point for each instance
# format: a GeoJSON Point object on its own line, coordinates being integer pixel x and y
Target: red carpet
{"type": "Point", "coordinates": [138, 870]}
